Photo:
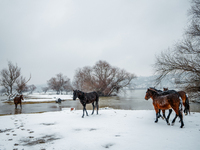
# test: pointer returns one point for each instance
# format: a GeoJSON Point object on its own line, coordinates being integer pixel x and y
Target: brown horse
{"type": "Point", "coordinates": [165, 102]}
{"type": "Point", "coordinates": [86, 98]}
{"type": "Point", "coordinates": [18, 100]}
{"type": "Point", "coordinates": [185, 99]}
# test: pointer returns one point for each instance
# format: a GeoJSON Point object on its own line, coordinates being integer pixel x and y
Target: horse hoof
{"type": "Point", "coordinates": [156, 121]}
{"type": "Point", "coordinates": [168, 124]}
{"type": "Point", "coordinates": [172, 124]}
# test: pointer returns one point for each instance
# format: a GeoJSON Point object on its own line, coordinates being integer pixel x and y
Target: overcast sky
{"type": "Point", "coordinates": [46, 37]}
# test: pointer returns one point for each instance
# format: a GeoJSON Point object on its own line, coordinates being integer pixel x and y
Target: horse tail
{"type": "Point", "coordinates": [181, 103]}
{"type": "Point", "coordinates": [187, 104]}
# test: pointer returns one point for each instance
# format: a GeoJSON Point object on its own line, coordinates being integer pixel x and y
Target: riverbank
{"type": "Point", "coordinates": [130, 100]}
{"type": "Point", "coordinates": [113, 129]}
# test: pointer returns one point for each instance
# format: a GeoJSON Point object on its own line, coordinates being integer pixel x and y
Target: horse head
{"type": "Point", "coordinates": [22, 97]}
{"type": "Point", "coordinates": [147, 96]}
{"type": "Point", "coordinates": [149, 93]}
{"type": "Point", "coordinates": [165, 89]}
{"type": "Point", "coordinates": [76, 93]}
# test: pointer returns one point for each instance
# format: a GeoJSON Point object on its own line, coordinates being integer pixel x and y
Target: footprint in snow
{"type": "Point", "coordinates": [108, 145]}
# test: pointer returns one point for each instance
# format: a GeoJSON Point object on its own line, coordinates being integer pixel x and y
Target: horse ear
{"type": "Point", "coordinates": [153, 90]}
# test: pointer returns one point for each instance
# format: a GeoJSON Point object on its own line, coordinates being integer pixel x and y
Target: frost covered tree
{"type": "Point", "coordinates": [184, 58]}
{"type": "Point", "coordinates": [8, 77]}
{"type": "Point", "coordinates": [12, 81]}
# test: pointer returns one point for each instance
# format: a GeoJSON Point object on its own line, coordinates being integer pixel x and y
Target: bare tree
{"type": "Point", "coordinates": [31, 88]}
{"type": "Point", "coordinates": [184, 58]}
{"type": "Point", "coordinates": [59, 83]}
{"type": "Point", "coordinates": [103, 78]}
{"type": "Point", "coordinates": [45, 89]}
{"type": "Point", "coordinates": [9, 77]}
{"type": "Point", "coordinates": [22, 84]}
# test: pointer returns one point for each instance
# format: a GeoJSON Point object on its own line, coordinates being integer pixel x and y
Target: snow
{"type": "Point", "coordinates": [111, 129]}
{"type": "Point", "coordinates": [46, 98]}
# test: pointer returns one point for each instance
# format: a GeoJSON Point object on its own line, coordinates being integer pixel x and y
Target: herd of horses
{"type": "Point", "coordinates": [168, 100]}
{"type": "Point", "coordinates": [162, 100]}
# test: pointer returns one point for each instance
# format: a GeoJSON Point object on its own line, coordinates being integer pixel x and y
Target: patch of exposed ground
{"type": "Point", "coordinates": [30, 141]}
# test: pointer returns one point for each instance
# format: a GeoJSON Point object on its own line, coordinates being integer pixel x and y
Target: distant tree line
{"type": "Point", "coordinates": [102, 78]}
{"type": "Point", "coordinates": [184, 58]}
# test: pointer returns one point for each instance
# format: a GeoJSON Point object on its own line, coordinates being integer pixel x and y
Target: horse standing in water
{"type": "Point", "coordinates": [18, 100]}
{"type": "Point", "coordinates": [185, 99]}
{"type": "Point", "coordinates": [164, 102]}
{"type": "Point", "coordinates": [86, 98]}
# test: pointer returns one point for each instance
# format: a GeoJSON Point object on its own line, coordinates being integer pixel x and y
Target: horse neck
{"type": "Point", "coordinates": [81, 96]}
{"type": "Point", "coordinates": [153, 96]}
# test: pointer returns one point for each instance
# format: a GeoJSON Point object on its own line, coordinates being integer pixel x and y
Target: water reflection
{"type": "Point", "coordinates": [131, 100]}
{"type": "Point", "coordinates": [18, 111]}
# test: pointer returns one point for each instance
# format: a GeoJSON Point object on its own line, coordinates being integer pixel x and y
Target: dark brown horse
{"type": "Point", "coordinates": [185, 99]}
{"type": "Point", "coordinates": [18, 100]}
{"type": "Point", "coordinates": [165, 102]}
{"type": "Point", "coordinates": [87, 98]}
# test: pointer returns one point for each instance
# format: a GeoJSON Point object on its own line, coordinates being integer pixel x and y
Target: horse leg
{"type": "Point", "coordinates": [170, 111]}
{"type": "Point", "coordinates": [173, 121]}
{"type": "Point", "coordinates": [97, 106]}
{"type": "Point", "coordinates": [93, 108]}
{"type": "Point", "coordinates": [181, 119]}
{"type": "Point", "coordinates": [187, 106]}
{"type": "Point", "coordinates": [83, 110]}
{"type": "Point", "coordinates": [163, 111]}
{"type": "Point", "coordinates": [157, 114]}
{"type": "Point", "coordinates": [162, 116]}
{"type": "Point", "coordinates": [178, 113]}
{"type": "Point", "coordinates": [15, 106]}
{"type": "Point", "coordinates": [21, 105]}
{"type": "Point", "coordinates": [86, 110]}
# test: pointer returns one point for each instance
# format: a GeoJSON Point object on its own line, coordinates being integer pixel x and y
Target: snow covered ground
{"type": "Point", "coordinates": [45, 98]}
{"type": "Point", "coordinates": [111, 129]}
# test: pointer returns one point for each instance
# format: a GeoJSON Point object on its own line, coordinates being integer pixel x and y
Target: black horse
{"type": "Point", "coordinates": [86, 98]}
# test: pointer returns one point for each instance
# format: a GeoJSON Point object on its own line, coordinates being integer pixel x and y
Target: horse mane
{"type": "Point", "coordinates": [80, 93]}
{"type": "Point", "coordinates": [161, 93]}
{"type": "Point", "coordinates": [154, 91]}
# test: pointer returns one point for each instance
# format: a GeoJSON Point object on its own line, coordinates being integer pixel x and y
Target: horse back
{"type": "Point", "coordinates": [162, 102]}
{"type": "Point", "coordinates": [17, 100]}
{"type": "Point", "coordinates": [182, 95]}
{"type": "Point", "coordinates": [173, 99]}
{"type": "Point", "coordinates": [91, 97]}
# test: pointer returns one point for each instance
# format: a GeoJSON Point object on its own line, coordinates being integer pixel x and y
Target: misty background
{"type": "Point", "coordinates": [49, 37]}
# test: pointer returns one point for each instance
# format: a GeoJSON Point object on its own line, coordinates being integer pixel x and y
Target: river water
{"type": "Point", "coordinates": [130, 100]}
